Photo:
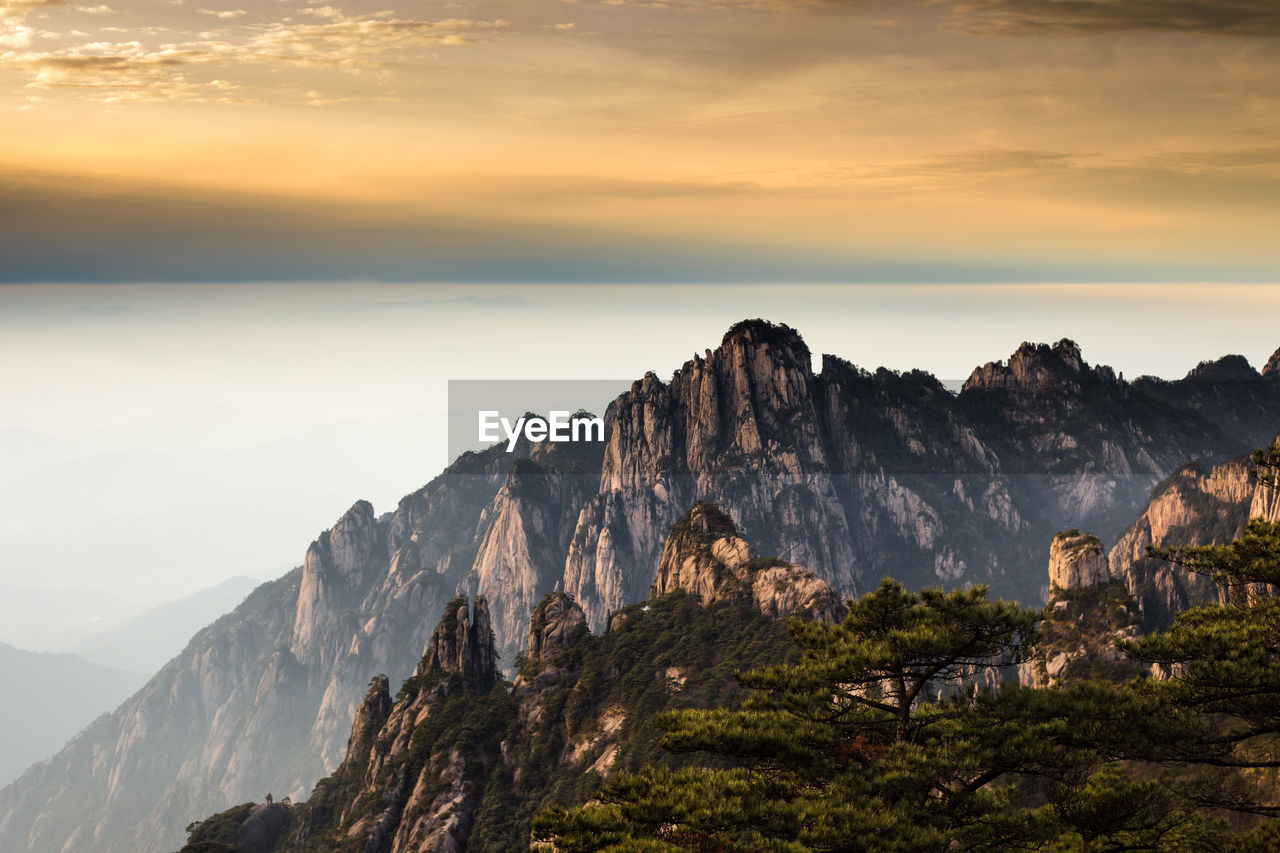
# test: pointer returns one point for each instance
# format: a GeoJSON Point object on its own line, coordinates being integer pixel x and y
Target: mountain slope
{"type": "Point", "coordinates": [462, 760]}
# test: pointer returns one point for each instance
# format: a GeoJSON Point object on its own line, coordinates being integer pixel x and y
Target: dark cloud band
{"type": "Point", "coordinates": [1255, 18]}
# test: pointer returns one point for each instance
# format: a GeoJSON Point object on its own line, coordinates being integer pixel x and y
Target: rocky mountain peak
{"type": "Point", "coordinates": [705, 556]}
{"type": "Point", "coordinates": [337, 562]}
{"type": "Point", "coordinates": [1036, 367]}
{"type": "Point", "coordinates": [762, 333]}
{"type": "Point", "coordinates": [557, 623]}
{"type": "Point", "coordinates": [354, 542]}
{"type": "Point", "coordinates": [1077, 559]}
{"type": "Point", "coordinates": [1229, 368]}
{"type": "Point", "coordinates": [463, 644]}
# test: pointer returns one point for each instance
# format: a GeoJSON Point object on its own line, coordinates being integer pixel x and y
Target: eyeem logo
{"type": "Point", "coordinates": [560, 426]}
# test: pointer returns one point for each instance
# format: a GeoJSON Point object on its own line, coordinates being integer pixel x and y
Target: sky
{"type": "Point", "coordinates": [640, 140]}
{"type": "Point", "coordinates": [245, 247]}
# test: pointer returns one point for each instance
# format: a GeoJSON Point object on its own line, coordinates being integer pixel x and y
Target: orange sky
{"type": "Point", "coordinates": [630, 140]}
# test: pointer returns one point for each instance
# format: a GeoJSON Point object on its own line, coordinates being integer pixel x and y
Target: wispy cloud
{"type": "Point", "coordinates": [18, 8]}
{"type": "Point", "coordinates": [116, 71]}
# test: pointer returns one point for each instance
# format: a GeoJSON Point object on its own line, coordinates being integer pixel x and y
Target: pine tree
{"type": "Point", "coordinates": [867, 738]}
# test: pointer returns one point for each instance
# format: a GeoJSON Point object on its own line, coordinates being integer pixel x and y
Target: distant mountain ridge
{"type": "Point", "coordinates": [49, 698]}
{"type": "Point", "coordinates": [147, 641]}
{"type": "Point", "coordinates": [848, 473]}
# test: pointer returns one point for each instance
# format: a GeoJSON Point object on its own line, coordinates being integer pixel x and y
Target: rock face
{"type": "Point", "coordinates": [463, 644]}
{"type": "Point", "coordinates": [1193, 506]}
{"type": "Point", "coordinates": [705, 556]}
{"type": "Point", "coordinates": [460, 763]}
{"type": "Point", "coordinates": [404, 801]}
{"type": "Point", "coordinates": [370, 716]}
{"type": "Point", "coordinates": [556, 624]}
{"type": "Point", "coordinates": [1036, 368]}
{"type": "Point", "coordinates": [1077, 560]}
{"type": "Point", "coordinates": [852, 474]}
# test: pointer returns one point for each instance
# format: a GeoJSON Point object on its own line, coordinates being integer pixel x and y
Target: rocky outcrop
{"type": "Point", "coordinates": [463, 644]}
{"type": "Point", "coordinates": [419, 802]}
{"type": "Point", "coordinates": [1080, 636]}
{"type": "Point", "coordinates": [556, 624]}
{"type": "Point", "coordinates": [705, 556]}
{"type": "Point", "coordinates": [1037, 368]}
{"type": "Point", "coordinates": [1193, 506]}
{"type": "Point", "coordinates": [741, 424]}
{"type": "Point", "coordinates": [527, 530]}
{"type": "Point", "coordinates": [333, 571]}
{"type": "Point", "coordinates": [370, 716]}
{"type": "Point", "coordinates": [1077, 560]}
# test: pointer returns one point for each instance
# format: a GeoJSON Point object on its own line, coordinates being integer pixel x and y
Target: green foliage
{"type": "Point", "coordinates": [219, 833]}
{"type": "Point", "coordinates": [663, 656]}
{"type": "Point", "coordinates": [862, 738]}
{"type": "Point", "coordinates": [882, 738]}
{"type": "Point", "coordinates": [1085, 624]}
{"type": "Point", "coordinates": [707, 520]}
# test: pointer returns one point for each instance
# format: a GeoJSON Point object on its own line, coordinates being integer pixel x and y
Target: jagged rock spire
{"type": "Point", "coordinates": [557, 623]}
{"type": "Point", "coordinates": [463, 643]}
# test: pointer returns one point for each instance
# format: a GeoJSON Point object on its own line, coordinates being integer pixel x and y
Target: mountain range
{"type": "Point", "coordinates": [850, 474]}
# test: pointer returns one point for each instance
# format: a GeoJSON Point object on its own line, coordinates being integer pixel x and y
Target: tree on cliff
{"type": "Point", "coordinates": [887, 737]}
{"type": "Point", "coordinates": [864, 738]}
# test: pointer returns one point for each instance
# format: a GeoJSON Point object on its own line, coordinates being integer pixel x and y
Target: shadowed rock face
{"type": "Point", "coordinates": [463, 644]}
{"type": "Point", "coordinates": [1038, 367]}
{"type": "Point", "coordinates": [556, 624]}
{"type": "Point", "coordinates": [851, 474]}
{"type": "Point", "coordinates": [369, 719]}
{"type": "Point", "coordinates": [393, 801]}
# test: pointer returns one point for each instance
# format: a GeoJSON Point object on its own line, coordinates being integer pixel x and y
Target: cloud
{"type": "Point", "coordinates": [115, 71]}
{"type": "Point", "coordinates": [344, 40]}
{"type": "Point", "coordinates": [225, 14]}
{"type": "Point", "coordinates": [19, 8]}
{"type": "Point", "coordinates": [1256, 18]}
{"type": "Point", "coordinates": [14, 34]}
